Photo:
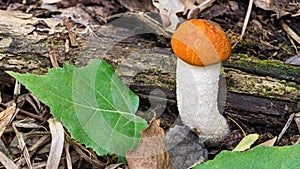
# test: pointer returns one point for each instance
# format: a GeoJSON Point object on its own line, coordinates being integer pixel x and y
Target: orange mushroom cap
{"type": "Point", "coordinates": [200, 42]}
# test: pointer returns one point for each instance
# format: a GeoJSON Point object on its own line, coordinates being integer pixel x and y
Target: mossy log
{"type": "Point", "coordinates": [260, 94]}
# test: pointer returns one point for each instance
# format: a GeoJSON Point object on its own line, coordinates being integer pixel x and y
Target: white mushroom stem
{"type": "Point", "coordinates": [197, 97]}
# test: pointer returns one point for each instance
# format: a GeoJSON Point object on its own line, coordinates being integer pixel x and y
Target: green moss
{"type": "Point", "coordinates": [273, 68]}
{"type": "Point", "coordinates": [261, 85]}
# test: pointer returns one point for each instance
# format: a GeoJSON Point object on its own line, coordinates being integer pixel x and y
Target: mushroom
{"type": "Point", "coordinates": [200, 46]}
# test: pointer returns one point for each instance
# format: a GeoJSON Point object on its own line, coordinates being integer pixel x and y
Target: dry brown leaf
{"type": "Point", "coordinates": [281, 8]}
{"type": "Point", "coordinates": [151, 152]}
{"type": "Point", "coordinates": [140, 5]}
{"type": "Point", "coordinates": [16, 21]}
{"type": "Point", "coordinates": [295, 61]}
{"type": "Point", "coordinates": [188, 4]}
{"type": "Point", "coordinates": [265, 4]}
{"type": "Point", "coordinates": [270, 142]}
{"type": "Point", "coordinates": [168, 10]}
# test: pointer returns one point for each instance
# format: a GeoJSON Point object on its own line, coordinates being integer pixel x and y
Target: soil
{"type": "Point", "coordinates": [264, 39]}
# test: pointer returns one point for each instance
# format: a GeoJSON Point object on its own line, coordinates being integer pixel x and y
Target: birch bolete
{"type": "Point", "coordinates": [200, 46]}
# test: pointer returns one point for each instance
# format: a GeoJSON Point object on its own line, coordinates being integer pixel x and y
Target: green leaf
{"type": "Point", "coordinates": [92, 103]}
{"type": "Point", "coordinates": [246, 142]}
{"type": "Point", "coordinates": [262, 157]}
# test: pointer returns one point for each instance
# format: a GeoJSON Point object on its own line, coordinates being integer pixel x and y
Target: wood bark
{"type": "Point", "coordinates": [260, 94]}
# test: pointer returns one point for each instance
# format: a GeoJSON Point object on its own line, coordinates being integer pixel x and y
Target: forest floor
{"type": "Point", "coordinates": [268, 36]}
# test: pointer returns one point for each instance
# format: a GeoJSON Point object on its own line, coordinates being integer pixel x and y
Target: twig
{"type": "Point", "coordinates": [32, 115]}
{"type": "Point", "coordinates": [286, 126]}
{"type": "Point", "coordinates": [81, 150]}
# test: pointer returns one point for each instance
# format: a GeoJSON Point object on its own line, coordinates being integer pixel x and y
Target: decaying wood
{"type": "Point", "coordinates": [259, 93]}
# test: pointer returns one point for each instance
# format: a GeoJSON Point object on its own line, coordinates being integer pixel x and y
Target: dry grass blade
{"type": "Point", "coordinates": [205, 4]}
{"type": "Point", "coordinates": [6, 162]}
{"type": "Point", "coordinates": [34, 102]}
{"type": "Point", "coordinates": [83, 151]}
{"type": "Point", "coordinates": [115, 166]}
{"type": "Point", "coordinates": [297, 120]}
{"type": "Point", "coordinates": [6, 116]}
{"type": "Point", "coordinates": [57, 143]}
{"type": "Point", "coordinates": [28, 123]}
{"type": "Point", "coordinates": [44, 139]}
{"type": "Point", "coordinates": [23, 147]}
{"type": "Point", "coordinates": [68, 156]}
{"type": "Point", "coordinates": [17, 89]}
{"type": "Point", "coordinates": [289, 31]}
{"type": "Point", "coordinates": [247, 18]}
